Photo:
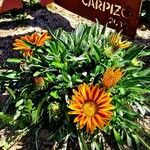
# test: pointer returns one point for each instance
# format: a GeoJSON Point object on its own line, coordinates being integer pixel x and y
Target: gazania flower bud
{"type": "Point", "coordinates": [108, 51]}
{"type": "Point", "coordinates": [54, 109]}
{"type": "Point", "coordinates": [39, 81]}
{"type": "Point", "coordinates": [135, 62]}
{"type": "Point", "coordinates": [111, 77]}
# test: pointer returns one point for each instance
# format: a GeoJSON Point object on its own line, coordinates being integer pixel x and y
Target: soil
{"type": "Point", "coordinates": [52, 17]}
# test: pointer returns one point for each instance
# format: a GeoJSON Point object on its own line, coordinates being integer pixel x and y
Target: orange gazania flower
{"type": "Point", "coordinates": [92, 106]}
{"type": "Point", "coordinates": [116, 41]}
{"type": "Point", "coordinates": [111, 77]}
{"type": "Point", "coordinates": [20, 45]}
{"type": "Point", "coordinates": [36, 38]}
{"type": "Point", "coordinates": [27, 52]}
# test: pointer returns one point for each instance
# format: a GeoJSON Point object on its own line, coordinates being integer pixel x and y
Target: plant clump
{"type": "Point", "coordinates": [70, 84]}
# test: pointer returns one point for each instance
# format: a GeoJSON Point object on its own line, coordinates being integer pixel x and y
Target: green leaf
{"type": "Point", "coordinates": [133, 52]}
{"type": "Point", "coordinates": [96, 146]}
{"type": "Point", "coordinates": [6, 118]}
{"type": "Point", "coordinates": [137, 80]}
{"type": "Point", "coordinates": [97, 52]}
{"type": "Point", "coordinates": [104, 30]}
{"type": "Point", "coordinates": [55, 94]}
{"type": "Point", "coordinates": [29, 106]}
{"type": "Point", "coordinates": [11, 92]}
{"type": "Point", "coordinates": [118, 137]}
{"type": "Point", "coordinates": [50, 77]}
{"type": "Point", "coordinates": [66, 77]}
{"type": "Point", "coordinates": [36, 114]}
{"type": "Point", "coordinates": [8, 74]}
{"type": "Point", "coordinates": [98, 69]}
{"type": "Point", "coordinates": [57, 64]}
{"type": "Point", "coordinates": [136, 139]}
{"type": "Point", "coordinates": [40, 50]}
{"type": "Point", "coordinates": [144, 72]}
{"type": "Point", "coordinates": [19, 102]}
{"type": "Point", "coordinates": [36, 59]}
{"type": "Point", "coordinates": [139, 89]}
{"type": "Point", "coordinates": [17, 115]}
{"type": "Point", "coordinates": [12, 75]}
{"type": "Point", "coordinates": [145, 53]}
{"type": "Point", "coordinates": [82, 143]}
{"type": "Point", "coordinates": [131, 124]}
{"type": "Point", "coordinates": [36, 73]}
{"type": "Point", "coordinates": [14, 60]}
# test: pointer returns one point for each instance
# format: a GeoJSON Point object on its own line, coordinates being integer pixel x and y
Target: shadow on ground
{"type": "Point", "coordinates": [42, 18]}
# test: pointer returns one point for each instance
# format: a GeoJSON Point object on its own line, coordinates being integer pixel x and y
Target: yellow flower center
{"type": "Point", "coordinates": [89, 109]}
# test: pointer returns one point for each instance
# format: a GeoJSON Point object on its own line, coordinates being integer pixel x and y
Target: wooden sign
{"type": "Point", "coordinates": [118, 14]}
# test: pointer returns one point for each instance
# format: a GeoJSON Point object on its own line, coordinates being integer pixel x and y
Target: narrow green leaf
{"type": "Point", "coordinates": [8, 74]}
{"type": "Point", "coordinates": [36, 59]}
{"type": "Point", "coordinates": [145, 53]}
{"type": "Point", "coordinates": [82, 142]}
{"type": "Point", "coordinates": [137, 80]}
{"type": "Point", "coordinates": [19, 103]}
{"type": "Point", "coordinates": [104, 30]}
{"type": "Point", "coordinates": [144, 72]}
{"type": "Point", "coordinates": [12, 75]}
{"type": "Point", "coordinates": [11, 92]}
{"type": "Point", "coordinates": [17, 115]}
{"type": "Point", "coordinates": [136, 139]}
{"type": "Point", "coordinates": [14, 60]}
{"type": "Point", "coordinates": [66, 77]}
{"type": "Point", "coordinates": [118, 137]}
{"type": "Point", "coordinates": [133, 52]}
{"type": "Point", "coordinates": [97, 52]}
{"type": "Point", "coordinates": [54, 94]}
{"type": "Point", "coordinates": [138, 89]}
{"type": "Point", "coordinates": [36, 73]}
{"type": "Point", "coordinates": [36, 114]}
{"type": "Point", "coordinates": [50, 77]}
{"type": "Point", "coordinates": [5, 118]}
{"type": "Point", "coordinates": [57, 64]}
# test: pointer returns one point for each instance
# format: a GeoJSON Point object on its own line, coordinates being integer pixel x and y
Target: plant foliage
{"type": "Point", "coordinates": [60, 65]}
